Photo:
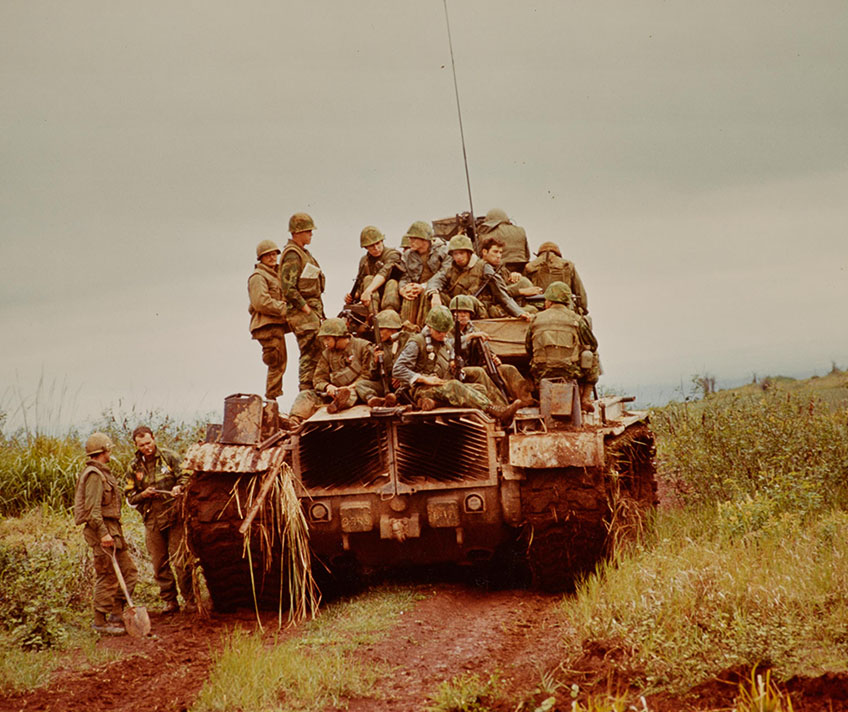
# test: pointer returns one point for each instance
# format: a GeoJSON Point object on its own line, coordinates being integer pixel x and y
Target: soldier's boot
{"type": "Point", "coordinates": [376, 402]}
{"type": "Point", "coordinates": [339, 400]}
{"type": "Point", "coordinates": [426, 403]}
{"type": "Point", "coordinates": [504, 413]}
{"type": "Point", "coordinates": [586, 398]}
{"type": "Point", "coordinates": [104, 627]}
{"type": "Point", "coordinates": [391, 400]}
{"type": "Point", "coordinates": [525, 394]}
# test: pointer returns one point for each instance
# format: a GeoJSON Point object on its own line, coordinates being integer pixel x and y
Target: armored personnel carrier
{"type": "Point", "coordinates": [396, 486]}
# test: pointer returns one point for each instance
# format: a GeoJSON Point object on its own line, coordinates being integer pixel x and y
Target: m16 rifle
{"type": "Point", "coordinates": [385, 377]}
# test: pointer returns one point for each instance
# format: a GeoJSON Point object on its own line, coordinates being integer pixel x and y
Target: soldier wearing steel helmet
{"type": "Point", "coordinates": [549, 267]}
{"type": "Point", "coordinates": [561, 344]}
{"type": "Point", "coordinates": [97, 505]}
{"type": "Point", "coordinates": [344, 360]}
{"type": "Point", "coordinates": [268, 315]}
{"type": "Point", "coordinates": [469, 274]}
{"type": "Point", "coordinates": [516, 252]}
{"type": "Point", "coordinates": [393, 338]}
{"type": "Point", "coordinates": [425, 368]}
{"type": "Point", "coordinates": [302, 282]}
{"type": "Point", "coordinates": [379, 271]}
{"type": "Point", "coordinates": [425, 257]}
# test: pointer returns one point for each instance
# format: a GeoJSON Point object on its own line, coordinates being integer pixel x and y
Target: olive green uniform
{"type": "Point", "coordinates": [479, 279]}
{"type": "Point", "coordinates": [418, 269]}
{"type": "Point", "coordinates": [101, 514]}
{"type": "Point", "coordinates": [425, 356]}
{"type": "Point", "coordinates": [517, 386]}
{"type": "Point", "coordinates": [162, 522]}
{"type": "Point", "coordinates": [388, 265]}
{"type": "Point", "coordinates": [555, 339]}
{"type": "Point", "coordinates": [516, 252]}
{"type": "Point", "coordinates": [338, 368]}
{"type": "Point", "coordinates": [302, 283]}
{"type": "Point", "coordinates": [550, 267]}
{"type": "Point", "coordinates": [268, 324]}
{"type": "Point", "coordinates": [373, 386]}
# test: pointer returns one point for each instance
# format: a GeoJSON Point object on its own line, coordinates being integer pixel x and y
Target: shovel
{"type": "Point", "coordinates": [136, 620]}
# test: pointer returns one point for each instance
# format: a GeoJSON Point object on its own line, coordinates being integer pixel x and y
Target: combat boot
{"type": "Point", "coordinates": [376, 402]}
{"type": "Point", "coordinates": [503, 413]}
{"type": "Point", "coordinates": [391, 400]}
{"type": "Point", "coordinates": [586, 398]}
{"type": "Point", "coordinates": [425, 403]}
{"type": "Point", "coordinates": [339, 400]}
{"type": "Point", "coordinates": [103, 627]}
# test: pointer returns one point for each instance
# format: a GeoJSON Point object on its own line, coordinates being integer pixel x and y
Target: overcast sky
{"type": "Point", "coordinates": [690, 157]}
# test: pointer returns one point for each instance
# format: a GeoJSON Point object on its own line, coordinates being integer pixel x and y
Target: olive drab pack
{"type": "Point", "coordinates": [80, 511]}
{"type": "Point", "coordinates": [548, 267]}
{"type": "Point", "coordinates": [311, 281]}
{"type": "Point", "coordinates": [556, 338]}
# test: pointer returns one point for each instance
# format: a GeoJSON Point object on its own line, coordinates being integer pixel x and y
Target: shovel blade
{"type": "Point", "coordinates": [136, 621]}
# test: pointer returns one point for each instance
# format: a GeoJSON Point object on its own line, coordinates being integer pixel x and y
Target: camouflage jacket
{"type": "Point", "coordinates": [162, 471]}
{"type": "Point", "coordinates": [342, 368]}
{"type": "Point", "coordinates": [301, 277]}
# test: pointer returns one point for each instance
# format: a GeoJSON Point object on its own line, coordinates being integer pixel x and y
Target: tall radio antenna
{"type": "Point", "coordinates": [459, 114]}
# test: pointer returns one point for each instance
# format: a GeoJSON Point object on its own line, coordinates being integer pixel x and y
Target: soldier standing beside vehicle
{"type": "Point", "coordinates": [424, 258]}
{"type": "Point", "coordinates": [379, 272]}
{"type": "Point", "coordinates": [155, 480]}
{"type": "Point", "coordinates": [344, 360]}
{"type": "Point", "coordinates": [424, 366]}
{"type": "Point", "coordinates": [268, 315]}
{"type": "Point", "coordinates": [97, 505]}
{"type": "Point", "coordinates": [561, 344]}
{"type": "Point", "coordinates": [302, 283]}
{"type": "Point", "coordinates": [549, 267]}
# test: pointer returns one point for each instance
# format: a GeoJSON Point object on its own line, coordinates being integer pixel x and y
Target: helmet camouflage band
{"type": "Point", "coordinates": [301, 222]}
{"type": "Point", "coordinates": [421, 230]}
{"type": "Point", "coordinates": [388, 319]}
{"type": "Point", "coordinates": [333, 327]}
{"type": "Point", "coordinates": [98, 442]}
{"type": "Point", "coordinates": [460, 242]}
{"type": "Point", "coordinates": [370, 235]}
{"type": "Point", "coordinates": [440, 319]}
{"type": "Point", "coordinates": [266, 246]}
{"type": "Point", "coordinates": [549, 247]}
{"type": "Point", "coordinates": [558, 292]}
{"type": "Point", "coordinates": [463, 302]}
{"type": "Point", "coordinates": [495, 217]}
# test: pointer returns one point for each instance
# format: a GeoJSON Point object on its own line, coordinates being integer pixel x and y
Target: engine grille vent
{"type": "Point", "coordinates": [446, 449]}
{"type": "Point", "coordinates": [349, 453]}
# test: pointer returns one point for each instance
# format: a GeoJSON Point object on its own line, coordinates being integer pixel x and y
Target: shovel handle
{"type": "Point", "coordinates": [120, 575]}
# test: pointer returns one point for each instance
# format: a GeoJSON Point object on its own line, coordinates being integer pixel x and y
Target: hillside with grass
{"type": "Point", "coordinates": [741, 574]}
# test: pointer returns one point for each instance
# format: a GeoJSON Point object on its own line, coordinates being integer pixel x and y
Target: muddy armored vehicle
{"type": "Point", "coordinates": [395, 486]}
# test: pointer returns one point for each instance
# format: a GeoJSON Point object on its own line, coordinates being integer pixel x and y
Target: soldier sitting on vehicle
{"type": "Point", "coordinates": [516, 251]}
{"type": "Point", "coordinates": [469, 274]}
{"type": "Point", "coordinates": [549, 267]}
{"type": "Point", "coordinates": [424, 366]}
{"type": "Point", "coordinates": [343, 361]}
{"type": "Point", "coordinates": [561, 344]}
{"type": "Point", "coordinates": [476, 353]}
{"type": "Point", "coordinates": [425, 257]}
{"type": "Point", "coordinates": [379, 271]}
{"type": "Point", "coordinates": [378, 390]}
{"type": "Point", "coordinates": [517, 285]}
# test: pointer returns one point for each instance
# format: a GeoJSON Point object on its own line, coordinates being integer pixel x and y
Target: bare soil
{"type": "Point", "coordinates": [455, 628]}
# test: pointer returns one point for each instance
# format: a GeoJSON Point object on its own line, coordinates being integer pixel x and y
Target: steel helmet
{"type": "Point", "coordinates": [463, 302]}
{"type": "Point", "coordinates": [495, 217]}
{"type": "Point", "coordinates": [404, 242]}
{"type": "Point", "coordinates": [460, 242]}
{"type": "Point", "coordinates": [549, 247]}
{"type": "Point", "coordinates": [333, 327]}
{"type": "Point", "coordinates": [301, 222]}
{"type": "Point", "coordinates": [421, 230]}
{"type": "Point", "coordinates": [558, 292]}
{"type": "Point", "coordinates": [370, 235]}
{"type": "Point", "coordinates": [98, 442]}
{"type": "Point", "coordinates": [266, 246]}
{"type": "Point", "coordinates": [388, 319]}
{"type": "Point", "coordinates": [440, 319]}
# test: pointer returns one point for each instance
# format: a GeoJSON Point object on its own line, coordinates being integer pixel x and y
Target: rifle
{"type": "Point", "coordinates": [458, 351]}
{"type": "Point", "coordinates": [492, 368]}
{"type": "Point", "coordinates": [385, 378]}
{"type": "Point", "coordinates": [355, 288]}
